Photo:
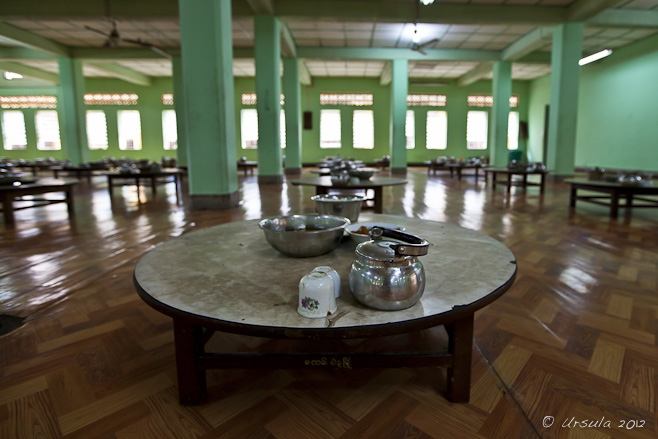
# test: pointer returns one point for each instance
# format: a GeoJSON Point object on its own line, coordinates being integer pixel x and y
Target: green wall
{"type": "Point", "coordinates": [151, 107]}
{"type": "Point", "coordinates": [617, 110]}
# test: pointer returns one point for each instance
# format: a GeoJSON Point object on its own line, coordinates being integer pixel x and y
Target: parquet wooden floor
{"type": "Point", "coordinates": [573, 342]}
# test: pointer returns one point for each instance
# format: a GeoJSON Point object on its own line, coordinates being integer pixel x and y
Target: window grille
{"type": "Point", "coordinates": [487, 101]}
{"type": "Point", "coordinates": [111, 99]}
{"type": "Point", "coordinates": [28, 102]}
{"type": "Point", "coordinates": [347, 99]}
{"type": "Point", "coordinates": [426, 100]}
{"type": "Point", "coordinates": [167, 98]}
{"type": "Point", "coordinates": [251, 99]}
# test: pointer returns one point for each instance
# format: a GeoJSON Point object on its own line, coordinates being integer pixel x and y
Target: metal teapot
{"type": "Point", "coordinates": [387, 275]}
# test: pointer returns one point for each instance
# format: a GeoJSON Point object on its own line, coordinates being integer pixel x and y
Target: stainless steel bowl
{"type": "Point", "coordinates": [304, 236]}
{"type": "Point", "coordinates": [348, 206]}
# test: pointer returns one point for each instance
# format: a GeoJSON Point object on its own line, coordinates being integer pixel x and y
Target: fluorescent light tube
{"type": "Point", "coordinates": [594, 57]}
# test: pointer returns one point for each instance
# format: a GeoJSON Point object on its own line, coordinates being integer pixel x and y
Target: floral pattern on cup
{"type": "Point", "coordinates": [310, 304]}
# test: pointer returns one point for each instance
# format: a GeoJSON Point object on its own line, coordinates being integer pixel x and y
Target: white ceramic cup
{"type": "Point", "coordinates": [316, 295]}
{"type": "Point", "coordinates": [334, 275]}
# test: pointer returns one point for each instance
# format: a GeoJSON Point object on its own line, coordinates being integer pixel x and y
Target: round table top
{"type": "Point", "coordinates": [325, 181]}
{"type": "Point", "coordinates": [228, 277]}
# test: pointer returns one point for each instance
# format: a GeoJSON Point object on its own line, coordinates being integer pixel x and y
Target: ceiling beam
{"type": "Point", "coordinates": [121, 72]}
{"type": "Point", "coordinates": [362, 10]}
{"type": "Point", "coordinates": [288, 47]}
{"type": "Point", "coordinates": [17, 52]}
{"type": "Point", "coordinates": [476, 73]}
{"type": "Point", "coordinates": [387, 74]}
{"type": "Point", "coordinates": [33, 41]}
{"type": "Point", "coordinates": [112, 53]}
{"type": "Point", "coordinates": [396, 53]}
{"type": "Point", "coordinates": [528, 43]}
{"type": "Point", "coordinates": [261, 7]}
{"type": "Point", "coordinates": [626, 18]}
{"type": "Point", "coordinates": [304, 74]}
{"type": "Point", "coordinates": [583, 10]}
{"type": "Point", "coordinates": [29, 72]}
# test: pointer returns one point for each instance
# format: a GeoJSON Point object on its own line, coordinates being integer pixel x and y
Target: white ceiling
{"type": "Point", "coordinates": [328, 31]}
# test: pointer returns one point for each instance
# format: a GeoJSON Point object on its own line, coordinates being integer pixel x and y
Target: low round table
{"type": "Point", "coordinates": [228, 278]}
{"type": "Point", "coordinates": [323, 184]}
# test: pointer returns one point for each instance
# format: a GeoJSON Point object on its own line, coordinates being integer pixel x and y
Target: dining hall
{"type": "Point", "coordinates": [329, 219]}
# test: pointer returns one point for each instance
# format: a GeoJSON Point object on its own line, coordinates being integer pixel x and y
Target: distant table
{"type": "Point", "coordinates": [433, 166]}
{"type": "Point", "coordinates": [456, 168]}
{"type": "Point", "coordinates": [509, 182]}
{"type": "Point", "coordinates": [248, 166]}
{"type": "Point", "coordinates": [323, 185]}
{"type": "Point", "coordinates": [36, 167]}
{"type": "Point", "coordinates": [614, 192]}
{"type": "Point", "coordinates": [12, 193]}
{"type": "Point", "coordinates": [79, 171]}
{"type": "Point", "coordinates": [253, 290]}
{"type": "Point", "coordinates": [150, 177]}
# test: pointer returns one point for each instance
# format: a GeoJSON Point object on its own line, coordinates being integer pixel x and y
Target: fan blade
{"type": "Point", "coordinates": [417, 48]}
{"type": "Point", "coordinates": [428, 43]}
{"type": "Point", "coordinates": [105, 34]}
{"type": "Point", "coordinates": [153, 47]}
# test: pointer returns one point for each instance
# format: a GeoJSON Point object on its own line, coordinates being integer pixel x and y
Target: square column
{"type": "Point", "coordinates": [267, 50]}
{"type": "Point", "coordinates": [209, 108]}
{"type": "Point", "coordinates": [502, 90]}
{"type": "Point", "coordinates": [563, 111]}
{"type": "Point", "coordinates": [73, 111]}
{"type": "Point", "coordinates": [179, 107]}
{"type": "Point", "coordinates": [293, 107]}
{"type": "Point", "coordinates": [399, 91]}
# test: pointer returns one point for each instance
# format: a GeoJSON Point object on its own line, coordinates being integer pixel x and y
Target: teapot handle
{"type": "Point", "coordinates": [413, 245]}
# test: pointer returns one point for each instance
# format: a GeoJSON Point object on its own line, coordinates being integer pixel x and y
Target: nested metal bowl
{"type": "Point", "coordinates": [304, 236]}
{"type": "Point", "coordinates": [348, 206]}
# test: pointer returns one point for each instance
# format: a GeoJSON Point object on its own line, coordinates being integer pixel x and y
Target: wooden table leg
{"type": "Point", "coordinates": [154, 186]}
{"type": "Point", "coordinates": [614, 204]}
{"type": "Point", "coordinates": [509, 182]}
{"type": "Point", "coordinates": [109, 186]}
{"type": "Point", "coordinates": [8, 208]}
{"type": "Point", "coordinates": [191, 377]}
{"type": "Point", "coordinates": [177, 182]}
{"type": "Point", "coordinates": [460, 345]}
{"type": "Point", "coordinates": [379, 199]}
{"type": "Point", "coordinates": [542, 182]}
{"type": "Point", "coordinates": [70, 206]}
{"type": "Point", "coordinates": [572, 197]}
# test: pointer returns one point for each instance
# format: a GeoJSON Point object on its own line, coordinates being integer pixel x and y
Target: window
{"type": "Point", "coordinates": [282, 128]}
{"type": "Point", "coordinates": [249, 128]}
{"type": "Point", "coordinates": [437, 130]}
{"type": "Point", "coordinates": [410, 129]}
{"type": "Point", "coordinates": [47, 126]}
{"type": "Point", "coordinates": [130, 130]}
{"type": "Point", "coordinates": [363, 129]}
{"type": "Point", "coordinates": [513, 130]}
{"type": "Point", "coordinates": [169, 131]}
{"type": "Point", "coordinates": [476, 130]}
{"type": "Point", "coordinates": [13, 130]}
{"type": "Point", "coordinates": [349, 99]}
{"type": "Point", "coordinates": [330, 129]}
{"type": "Point", "coordinates": [96, 129]}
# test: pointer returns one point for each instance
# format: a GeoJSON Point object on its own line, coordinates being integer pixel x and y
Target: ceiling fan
{"type": "Point", "coordinates": [416, 45]}
{"type": "Point", "coordinates": [114, 39]}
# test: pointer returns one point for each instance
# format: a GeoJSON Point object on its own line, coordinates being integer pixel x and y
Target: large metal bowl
{"type": "Point", "coordinates": [304, 236]}
{"type": "Point", "coordinates": [348, 206]}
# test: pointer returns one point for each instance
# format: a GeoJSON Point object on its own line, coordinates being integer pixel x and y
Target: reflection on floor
{"type": "Point", "coordinates": [573, 340]}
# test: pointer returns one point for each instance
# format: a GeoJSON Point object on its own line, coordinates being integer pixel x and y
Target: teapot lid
{"type": "Point", "coordinates": [383, 250]}
{"type": "Point", "coordinates": [377, 250]}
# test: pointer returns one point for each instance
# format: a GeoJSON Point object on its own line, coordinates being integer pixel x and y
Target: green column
{"type": "Point", "coordinates": [267, 51]}
{"type": "Point", "coordinates": [72, 110]}
{"type": "Point", "coordinates": [179, 106]}
{"type": "Point", "coordinates": [293, 107]}
{"type": "Point", "coordinates": [399, 90]}
{"type": "Point", "coordinates": [502, 90]}
{"type": "Point", "coordinates": [207, 59]}
{"type": "Point", "coordinates": [563, 112]}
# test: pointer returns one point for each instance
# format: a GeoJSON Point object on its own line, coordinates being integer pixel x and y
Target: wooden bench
{"type": "Point", "coordinates": [12, 193]}
{"type": "Point", "coordinates": [616, 195]}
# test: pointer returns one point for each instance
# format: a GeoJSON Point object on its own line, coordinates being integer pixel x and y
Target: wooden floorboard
{"type": "Point", "coordinates": [574, 341]}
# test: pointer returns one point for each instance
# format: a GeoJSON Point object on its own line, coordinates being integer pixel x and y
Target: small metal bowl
{"type": "Point", "coordinates": [304, 236]}
{"type": "Point", "coordinates": [348, 206]}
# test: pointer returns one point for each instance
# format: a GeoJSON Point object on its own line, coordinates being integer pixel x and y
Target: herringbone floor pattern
{"type": "Point", "coordinates": [574, 340]}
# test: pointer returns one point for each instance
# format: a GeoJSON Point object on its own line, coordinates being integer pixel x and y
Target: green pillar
{"type": "Point", "coordinates": [293, 107]}
{"type": "Point", "coordinates": [399, 91]}
{"type": "Point", "coordinates": [502, 90]}
{"type": "Point", "coordinates": [72, 110]}
{"type": "Point", "coordinates": [179, 106]}
{"type": "Point", "coordinates": [267, 51]}
{"type": "Point", "coordinates": [563, 111]}
{"type": "Point", "coordinates": [207, 61]}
